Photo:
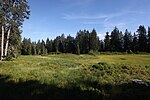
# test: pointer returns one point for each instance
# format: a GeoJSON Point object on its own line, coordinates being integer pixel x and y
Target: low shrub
{"type": "Point", "coordinates": [101, 66]}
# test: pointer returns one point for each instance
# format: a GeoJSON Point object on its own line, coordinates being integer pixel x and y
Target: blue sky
{"type": "Point", "coordinates": [50, 18]}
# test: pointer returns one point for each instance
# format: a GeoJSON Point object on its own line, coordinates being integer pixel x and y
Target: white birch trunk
{"type": "Point", "coordinates": [8, 36]}
{"type": "Point", "coordinates": [2, 43]}
{"type": "Point", "coordinates": [7, 42]}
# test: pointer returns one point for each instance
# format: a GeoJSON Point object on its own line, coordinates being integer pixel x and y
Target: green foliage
{"type": "Point", "coordinates": [102, 65]}
{"type": "Point", "coordinates": [142, 39]}
{"type": "Point", "coordinates": [148, 49]}
{"type": "Point", "coordinates": [12, 13]}
{"type": "Point", "coordinates": [26, 47]}
{"type": "Point", "coordinates": [107, 42]}
{"type": "Point", "coordinates": [116, 40]}
{"type": "Point", "coordinates": [87, 42]}
{"type": "Point", "coordinates": [127, 41]}
{"type": "Point", "coordinates": [93, 41]}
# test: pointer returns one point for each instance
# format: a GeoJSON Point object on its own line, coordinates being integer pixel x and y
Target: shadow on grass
{"type": "Point", "coordinates": [34, 90]}
{"type": "Point", "coordinates": [131, 91]}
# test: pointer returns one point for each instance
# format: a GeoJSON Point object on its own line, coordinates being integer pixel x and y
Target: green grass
{"type": "Point", "coordinates": [100, 76]}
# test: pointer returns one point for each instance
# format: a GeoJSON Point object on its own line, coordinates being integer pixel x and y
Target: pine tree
{"type": "Point", "coordinates": [43, 49]}
{"type": "Point", "coordinates": [85, 46]}
{"type": "Point", "coordinates": [142, 39]}
{"type": "Point", "coordinates": [83, 40]}
{"type": "Point", "coordinates": [48, 45]}
{"type": "Point", "coordinates": [56, 44]}
{"type": "Point", "coordinates": [116, 40]}
{"type": "Point", "coordinates": [127, 41]}
{"type": "Point", "coordinates": [26, 47]}
{"type": "Point", "coordinates": [38, 47]}
{"type": "Point", "coordinates": [93, 40]}
{"type": "Point", "coordinates": [69, 44]}
{"type": "Point", "coordinates": [34, 52]}
{"type": "Point", "coordinates": [107, 42]}
{"type": "Point", "coordinates": [148, 40]}
{"type": "Point", "coordinates": [102, 45]}
{"type": "Point", "coordinates": [61, 46]}
{"type": "Point", "coordinates": [79, 40]}
{"type": "Point", "coordinates": [135, 45]}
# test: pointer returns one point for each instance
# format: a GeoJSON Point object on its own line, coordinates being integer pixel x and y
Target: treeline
{"type": "Point", "coordinates": [86, 41]}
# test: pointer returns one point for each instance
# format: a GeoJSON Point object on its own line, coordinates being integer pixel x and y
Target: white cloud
{"type": "Point", "coordinates": [106, 22]}
{"type": "Point", "coordinates": [77, 2]}
{"type": "Point", "coordinates": [92, 23]}
{"type": "Point", "coordinates": [105, 17]}
{"type": "Point", "coordinates": [78, 17]}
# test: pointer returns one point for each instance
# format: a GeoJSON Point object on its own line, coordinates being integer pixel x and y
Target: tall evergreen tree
{"type": "Point", "coordinates": [61, 45]}
{"type": "Point", "coordinates": [26, 47]}
{"type": "Point", "coordinates": [142, 39]}
{"type": "Point", "coordinates": [86, 41]}
{"type": "Point", "coordinates": [135, 45]}
{"type": "Point", "coordinates": [48, 45]}
{"type": "Point", "coordinates": [43, 48]}
{"type": "Point", "coordinates": [107, 42]}
{"type": "Point", "coordinates": [38, 47]}
{"type": "Point", "coordinates": [70, 45]}
{"type": "Point", "coordinates": [56, 44]}
{"type": "Point", "coordinates": [102, 45]}
{"type": "Point", "coordinates": [83, 40]}
{"type": "Point", "coordinates": [79, 39]}
{"type": "Point", "coordinates": [116, 40]}
{"type": "Point", "coordinates": [127, 41]}
{"type": "Point", "coordinates": [34, 52]}
{"type": "Point", "coordinates": [93, 41]}
{"type": "Point", "coordinates": [148, 40]}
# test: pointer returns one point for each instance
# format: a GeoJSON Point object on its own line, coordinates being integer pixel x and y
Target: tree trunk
{"type": "Point", "coordinates": [7, 41]}
{"type": "Point", "coordinates": [2, 43]}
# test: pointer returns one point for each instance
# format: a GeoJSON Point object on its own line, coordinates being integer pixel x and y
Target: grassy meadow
{"type": "Point", "coordinates": [75, 77]}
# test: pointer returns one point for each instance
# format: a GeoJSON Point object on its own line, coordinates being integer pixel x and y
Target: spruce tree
{"type": "Point", "coordinates": [34, 52]}
{"type": "Point", "coordinates": [148, 40]}
{"type": "Point", "coordinates": [135, 43]}
{"type": "Point", "coordinates": [48, 45]}
{"type": "Point", "coordinates": [69, 44]}
{"type": "Point", "coordinates": [93, 40]}
{"type": "Point", "coordinates": [38, 47]}
{"type": "Point", "coordinates": [107, 42]}
{"type": "Point", "coordinates": [142, 39]}
{"type": "Point", "coordinates": [26, 47]}
{"type": "Point", "coordinates": [116, 40]}
{"type": "Point", "coordinates": [127, 41]}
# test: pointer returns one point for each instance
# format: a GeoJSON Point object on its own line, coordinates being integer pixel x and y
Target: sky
{"type": "Point", "coordinates": [51, 18]}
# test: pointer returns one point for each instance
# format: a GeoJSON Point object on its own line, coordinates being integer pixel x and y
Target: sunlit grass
{"type": "Point", "coordinates": [68, 67]}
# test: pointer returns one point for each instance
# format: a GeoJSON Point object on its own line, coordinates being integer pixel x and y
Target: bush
{"type": "Point", "coordinates": [9, 58]}
{"type": "Point", "coordinates": [101, 66]}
